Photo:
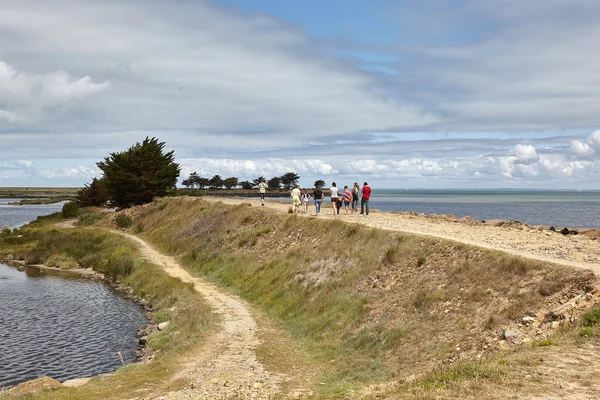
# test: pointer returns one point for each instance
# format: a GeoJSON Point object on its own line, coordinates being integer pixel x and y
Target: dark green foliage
{"type": "Point", "coordinates": [93, 195]}
{"type": "Point", "coordinates": [123, 221]}
{"type": "Point", "coordinates": [319, 184]}
{"type": "Point", "coordinates": [246, 185]}
{"type": "Point", "coordinates": [230, 182]}
{"type": "Point", "coordinates": [70, 210]}
{"type": "Point", "coordinates": [216, 182]}
{"type": "Point", "coordinates": [274, 183]}
{"type": "Point", "coordinates": [289, 180]}
{"type": "Point", "coordinates": [140, 174]}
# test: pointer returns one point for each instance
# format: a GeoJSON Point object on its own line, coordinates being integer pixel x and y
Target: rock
{"type": "Point", "coordinates": [36, 384]}
{"type": "Point", "coordinates": [509, 335]}
{"type": "Point", "coordinates": [76, 382]}
{"type": "Point", "coordinates": [528, 320]}
{"type": "Point", "coordinates": [555, 324]}
{"type": "Point", "coordinates": [163, 325]}
{"type": "Point", "coordinates": [143, 340]}
{"type": "Point", "coordinates": [564, 231]}
{"type": "Point", "coordinates": [553, 229]}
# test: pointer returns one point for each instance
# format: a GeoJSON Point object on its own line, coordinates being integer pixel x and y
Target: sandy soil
{"type": "Point", "coordinates": [515, 238]}
{"type": "Point", "coordinates": [231, 368]}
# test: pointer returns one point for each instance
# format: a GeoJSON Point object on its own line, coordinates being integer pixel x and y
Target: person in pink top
{"type": "Point", "coordinates": [364, 201]}
{"type": "Point", "coordinates": [347, 198]}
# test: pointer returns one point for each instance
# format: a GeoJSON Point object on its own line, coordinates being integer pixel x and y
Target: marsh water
{"type": "Point", "coordinates": [58, 324]}
{"type": "Point", "coordinates": [62, 326]}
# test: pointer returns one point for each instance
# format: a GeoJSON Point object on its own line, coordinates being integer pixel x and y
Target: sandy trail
{"type": "Point", "coordinates": [573, 250]}
{"type": "Point", "coordinates": [234, 371]}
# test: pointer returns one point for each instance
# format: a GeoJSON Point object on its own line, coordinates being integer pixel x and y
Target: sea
{"type": "Point", "coordinates": [558, 208]}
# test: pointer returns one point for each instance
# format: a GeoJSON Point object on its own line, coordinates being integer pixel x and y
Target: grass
{"type": "Point", "coordinates": [375, 301]}
{"type": "Point", "coordinates": [191, 321]}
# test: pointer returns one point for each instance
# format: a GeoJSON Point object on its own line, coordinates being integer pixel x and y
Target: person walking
{"type": "Point", "coordinates": [347, 198]}
{"type": "Point", "coordinates": [305, 200]}
{"type": "Point", "coordinates": [262, 189]}
{"type": "Point", "coordinates": [334, 196]}
{"type": "Point", "coordinates": [355, 194]}
{"type": "Point", "coordinates": [318, 196]}
{"type": "Point", "coordinates": [295, 199]}
{"type": "Point", "coordinates": [364, 201]}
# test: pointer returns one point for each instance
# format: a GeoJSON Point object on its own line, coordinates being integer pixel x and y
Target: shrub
{"type": "Point", "coordinates": [592, 317]}
{"type": "Point", "coordinates": [88, 219]}
{"type": "Point", "coordinates": [120, 263]}
{"type": "Point", "coordinates": [70, 210]}
{"type": "Point", "coordinates": [586, 332]}
{"type": "Point", "coordinates": [123, 221]}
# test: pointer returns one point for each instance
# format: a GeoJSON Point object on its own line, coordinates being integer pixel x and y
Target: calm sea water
{"type": "Point", "coordinates": [62, 326]}
{"type": "Point", "coordinates": [536, 207]}
{"type": "Point", "coordinates": [16, 216]}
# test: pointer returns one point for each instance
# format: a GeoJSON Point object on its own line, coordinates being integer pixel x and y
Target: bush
{"type": "Point", "coordinates": [120, 263]}
{"type": "Point", "coordinates": [70, 210]}
{"type": "Point", "coordinates": [123, 221]}
{"type": "Point", "coordinates": [592, 317]}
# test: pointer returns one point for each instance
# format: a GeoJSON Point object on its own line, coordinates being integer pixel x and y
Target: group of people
{"type": "Point", "coordinates": [348, 198]}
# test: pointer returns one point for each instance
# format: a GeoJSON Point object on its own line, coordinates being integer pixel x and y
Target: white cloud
{"type": "Point", "coordinates": [525, 153]}
{"type": "Point", "coordinates": [28, 98]}
{"type": "Point", "coordinates": [589, 149]}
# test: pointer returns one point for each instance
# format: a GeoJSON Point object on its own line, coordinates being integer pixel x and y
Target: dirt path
{"type": "Point", "coordinates": [543, 245]}
{"type": "Point", "coordinates": [233, 371]}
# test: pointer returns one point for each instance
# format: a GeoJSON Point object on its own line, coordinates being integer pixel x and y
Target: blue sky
{"type": "Point", "coordinates": [404, 94]}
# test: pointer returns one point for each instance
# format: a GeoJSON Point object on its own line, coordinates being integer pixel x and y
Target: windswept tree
{"type": "Point", "coordinates": [319, 184]}
{"type": "Point", "coordinates": [246, 185]}
{"type": "Point", "coordinates": [230, 182]}
{"type": "Point", "coordinates": [187, 183]}
{"type": "Point", "coordinates": [139, 174]}
{"type": "Point", "coordinates": [194, 179]}
{"type": "Point", "coordinates": [289, 180]}
{"type": "Point", "coordinates": [216, 182]}
{"type": "Point", "coordinates": [258, 180]}
{"type": "Point", "coordinates": [92, 195]}
{"type": "Point", "coordinates": [202, 182]}
{"type": "Point", "coordinates": [274, 183]}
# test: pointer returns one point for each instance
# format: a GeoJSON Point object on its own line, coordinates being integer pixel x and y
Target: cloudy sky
{"type": "Point", "coordinates": [401, 93]}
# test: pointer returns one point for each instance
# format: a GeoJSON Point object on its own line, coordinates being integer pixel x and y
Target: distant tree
{"type": "Point", "coordinates": [187, 183]}
{"type": "Point", "coordinates": [202, 182]}
{"type": "Point", "coordinates": [92, 195]}
{"type": "Point", "coordinates": [289, 180]}
{"type": "Point", "coordinates": [246, 185]}
{"type": "Point", "coordinates": [194, 179]}
{"type": "Point", "coordinates": [139, 174]}
{"type": "Point", "coordinates": [319, 184]}
{"type": "Point", "coordinates": [274, 183]}
{"type": "Point", "coordinates": [216, 182]}
{"type": "Point", "coordinates": [258, 180]}
{"type": "Point", "coordinates": [230, 182]}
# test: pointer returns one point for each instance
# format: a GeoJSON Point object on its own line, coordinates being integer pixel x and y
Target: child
{"type": "Point", "coordinates": [347, 199]}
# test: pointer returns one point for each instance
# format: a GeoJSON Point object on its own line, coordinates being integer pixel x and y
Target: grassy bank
{"type": "Point", "coordinates": [111, 254]}
{"type": "Point", "coordinates": [370, 305]}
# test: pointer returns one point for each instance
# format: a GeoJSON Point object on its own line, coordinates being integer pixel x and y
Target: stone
{"type": "Point", "coordinates": [76, 382]}
{"type": "Point", "coordinates": [36, 385]}
{"type": "Point", "coordinates": [555, 324]}
{"type": "Point", "coordinates": [509, 335]}
{"type": "Point", "coordinates": [143, 341]}
{"type": "Point", "coordinates": [163, 325]}
{"type": "Point", "coordinates": [528, 320]}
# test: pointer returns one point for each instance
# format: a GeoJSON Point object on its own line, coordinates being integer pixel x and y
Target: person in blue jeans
{"type": "Point", "coordinates": [318, 196]}
{"type": "Point", "coordinates": [366, 196]}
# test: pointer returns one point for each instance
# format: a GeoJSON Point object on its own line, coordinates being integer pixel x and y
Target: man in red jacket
{"type": "Point", "coordinates": [364, 201]}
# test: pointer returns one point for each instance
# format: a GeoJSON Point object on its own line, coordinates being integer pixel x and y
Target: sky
{"type": "Point", "coordinates": [399, 93]}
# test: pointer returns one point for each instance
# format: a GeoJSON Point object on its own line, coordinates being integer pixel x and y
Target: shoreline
{"type": "Point", "coordinates": [143, 353]}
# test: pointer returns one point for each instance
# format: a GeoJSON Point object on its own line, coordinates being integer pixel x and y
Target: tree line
{"type": "Point", "coordinates": [286, 181]}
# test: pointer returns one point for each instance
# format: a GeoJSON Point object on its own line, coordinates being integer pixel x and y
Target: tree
{"type": "Point", "coordinates": [230, 182]}
{"type": "Point", "coordinates": [274, 183]}
{"type": "Point", "coordinates": [216, 182]}
{"type": "Point", "coordinates": [187, 183]}
{"type": "Point", "coordinates": [202, 182]}
{"type": "Point", "coordinates": [246, 185]}
{"type": "Point", "coordinates": [289, 180]}
{"type": "Point", "coordinates": [139, 174]}
{"type": "Point", "coordinates": [319, 184]}
{"type": "Point", "coordinates": [194, 179]}
{"type": "Point", "coordinates": [92, 195]}
{"type": "Point", "coordinates": [258, 180]}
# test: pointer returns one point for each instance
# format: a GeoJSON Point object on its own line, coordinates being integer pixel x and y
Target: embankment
{"type": "Point", "coordinates": [371, 304]}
